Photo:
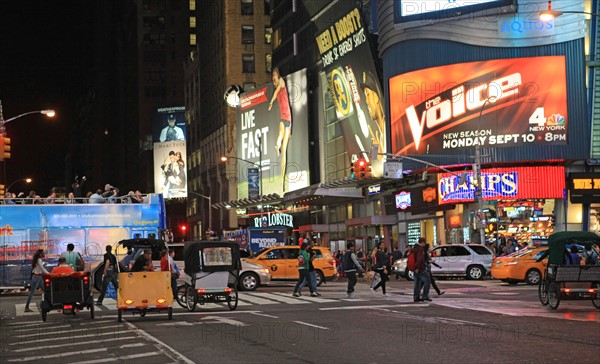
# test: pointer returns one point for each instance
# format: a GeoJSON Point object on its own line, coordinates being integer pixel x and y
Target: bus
{"type": "Point", "coordinates": [24, 228]}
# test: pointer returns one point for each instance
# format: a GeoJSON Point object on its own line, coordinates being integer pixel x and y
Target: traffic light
{"type": "Point", "coordinates": [2, 191]}
{"type": "Point", "coordinates": [352, 171]}
{"type": "Point", "coordinates": [183, 229]}
{"type": "Point", "coordinates": [362, 168]}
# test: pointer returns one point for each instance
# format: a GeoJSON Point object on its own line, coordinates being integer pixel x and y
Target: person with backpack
{"type": "Point", "coordinates": [420, 269]}
{"type": "Point", "coordinates": [311, 268]}
{"type": "Point", "coordinates": [109, 274]}
{"type": "Point", "coordinates": [303, 266]}
{"type": "Point", "coordinates": [351, 265]}
{"type": "Point", "coordinates": [590, 255]}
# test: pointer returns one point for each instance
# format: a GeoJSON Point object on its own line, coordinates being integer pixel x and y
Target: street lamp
{"type": "Point", "coordinates": [28, 180]}
{"type": "Point", "coordinates": [550, 14]}
{"type": "Point", "coordinates": [259, 165]}
{"type": "Point", "coordinates": [209, 207]}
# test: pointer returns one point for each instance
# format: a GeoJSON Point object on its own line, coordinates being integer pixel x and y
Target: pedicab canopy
{"type": "Point", "coordinates": [211, 256]}
{"type": "Point", "coordinates": [156, 245]}
{"type": "Point", "coordinates": [557, 243]}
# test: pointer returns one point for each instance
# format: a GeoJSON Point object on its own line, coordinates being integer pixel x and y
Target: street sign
{"type": "Point", "coordinates": [392, 169]}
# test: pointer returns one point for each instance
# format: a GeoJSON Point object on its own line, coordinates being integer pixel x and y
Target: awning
{"type": "Point", "coordinates": [271, 199]}
{"type": "Point", "coordinates": [324, 194]}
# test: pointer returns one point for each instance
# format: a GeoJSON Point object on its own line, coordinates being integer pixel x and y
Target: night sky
{"type": "Point", "coordinates": [45, 63]}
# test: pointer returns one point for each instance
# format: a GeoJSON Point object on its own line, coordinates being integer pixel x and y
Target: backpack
{"type": "Point", "coordinates": [411, 263]}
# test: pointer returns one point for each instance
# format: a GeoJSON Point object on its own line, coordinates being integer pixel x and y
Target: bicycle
{"type": "Point", "coordinates": [180, 295]}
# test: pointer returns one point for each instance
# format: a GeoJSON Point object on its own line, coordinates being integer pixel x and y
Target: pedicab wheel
{"type": "Point", "coordinates": [91, 307]}
{"type": "Point", "coordinates": [232, 299]}
{"type": "Point", "coordinates": [44, 314]}
{"type": "Point", "coordinates": [543, 292]}
{"type": "Point", "coordinates": [553, 296]}
{"type": "Point", "coordinates": [143, 313]}
{"type": "Point", "coordinates": [190, 298]}
{"type": "Point", "coordinates": [170, 313]}
{"type": "Point", "coordinates": [120, 315]}
{"type": "Point", "coordinates": [180, 295]}
{"type": "Point", "coordinates": [596, 301]}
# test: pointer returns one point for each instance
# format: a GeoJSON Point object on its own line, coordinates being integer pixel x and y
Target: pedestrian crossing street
{"type": "Point", "coordinates": [245, 299]}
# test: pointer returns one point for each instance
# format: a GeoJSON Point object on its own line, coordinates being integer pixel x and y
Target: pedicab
{"type": "Point", "coordinates": [212, 270]}
{"type": "Point", "coordinates": [143, 292]}
{"type": "Point", "coordinates": [69, 292]}
{"type": "Point", "coordinates": [569, 282]}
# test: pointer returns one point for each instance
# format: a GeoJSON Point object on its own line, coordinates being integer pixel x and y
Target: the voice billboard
{"type": "Point", "coordinates": [272, 132]}
{"type": "Point", "coordinates": [498, 103]}
{"type": "Point", "coordinates": [353, 82]}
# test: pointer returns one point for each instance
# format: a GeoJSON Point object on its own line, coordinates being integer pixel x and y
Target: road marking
{"type": "Point", "coordinates": [75, 342]}
{"type": "Point", "coordinates": [126, 357]}
{"type": "Point", "coordinates": [311, 325]}
{"type": "Point", "coordinates": [307, 298]}
{"type": "Point", "coordinates": [224, 320]}
{"type": "Point", "coordinates": [373, 307]}
{"type": "Point", "coordinates": [20, 330]}
{"type": "Point", "coordinates": [61, 338]}
{"type": "Point", "coordinates": [61, 355]}
{"type": "Point", "coordinates": [288, 300]}
{"type": "Point", "coordinates": [353, 299]}
{"type": "Point", "coordinates": [161, 346]}
{"type": "Point", "coordinates": [265, 315]}
{"type": "Point", "coordinates": [257, 300]}
{"type": "Point", "coordinates": [58, 333]}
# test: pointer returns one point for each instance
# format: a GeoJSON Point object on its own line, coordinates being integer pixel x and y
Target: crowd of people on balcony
{"type": "Point", "coordinates": [110, 194]}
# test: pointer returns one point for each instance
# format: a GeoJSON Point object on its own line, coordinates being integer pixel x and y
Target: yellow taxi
{"type": "Point", "coordinates": [282, 262]}
{"type": "Point", "coordinates": [520, 266]}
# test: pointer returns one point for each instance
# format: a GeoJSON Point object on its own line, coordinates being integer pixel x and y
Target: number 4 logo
{"type": "Point", "coordinates": [538, 117]}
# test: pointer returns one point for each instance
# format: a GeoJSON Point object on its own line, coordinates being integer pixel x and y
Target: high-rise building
{"type": "Point", "coordinates": [233, 47]}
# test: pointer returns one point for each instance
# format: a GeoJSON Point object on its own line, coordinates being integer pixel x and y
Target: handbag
{"type": "Point", "coordinates": [376, 279]}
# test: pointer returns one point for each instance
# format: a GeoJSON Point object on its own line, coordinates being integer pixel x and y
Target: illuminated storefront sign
{"type": "Point", "coordinates": [504, 184]}
{"type": "Point", "coordinates": [277, 219]}
{"type": "Point", "coordinates": [403, 200]}
{"type": "Point", "coordinates": [374, 190]}
{"type": "Point", "coordinates": [438, 109]}
{"type": "Point", "coordinates": [584, 187]}
{"type": "Point", "coordinates": [428, 11]}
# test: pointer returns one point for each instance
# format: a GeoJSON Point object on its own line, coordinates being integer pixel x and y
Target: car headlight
{"type": "Point", "coordinates": [512, 263]}
{"type": "Point", "coordinates": [266, 271]}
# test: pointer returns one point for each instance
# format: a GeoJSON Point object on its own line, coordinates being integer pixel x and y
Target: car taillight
{"type": "Point", "coordinates": [201, 291]}
{"type": "Point", "coordinates": [331, 263]}
{"type": "Point", "coordinates": [47, 282]}
{"type": "Point", "coordinates": [591, 290]}
{"type": "Point", "coordinates": [566, 290]}
{"type": "Point", "coordinates": [67, 307]}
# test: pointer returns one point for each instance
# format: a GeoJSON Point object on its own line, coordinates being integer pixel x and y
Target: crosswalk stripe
{"type": "Point", "coordinates": [256, 300]}
{"type": "Point", "coordinates": [288, 300]}
{"type": "Point", "coordinates": [60, 355]}
{"type": "Point", "coordinates": [62, 338]}
{"type": "Point", "coordinates": [75, 342]}
{"type": "Point", "coordinates": [308, 298]}
{"type": "Point", "coordinates": [126, 357]}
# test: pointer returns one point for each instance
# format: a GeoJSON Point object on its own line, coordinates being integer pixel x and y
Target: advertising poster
{"type": "Point", "coordinates": [265, 238]}
{"type": "Point", "coordinates": [498, 103]}
{"type": "Point", "coordinates": [170, 174]}
{"type": "Point", "coordinates": [272, 132]}
{"type": "Point", "coordinates": [504, 184]}
{"type": "Point", "coordinates": [168, 124]}
{"type": "Point", "coordinates": [430, 11]}
{"type": "Point", "coordinates": [353, 82]}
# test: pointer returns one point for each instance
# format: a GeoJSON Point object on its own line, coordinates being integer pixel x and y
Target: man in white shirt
{"type": "Point", "coordinates": [171, 132]}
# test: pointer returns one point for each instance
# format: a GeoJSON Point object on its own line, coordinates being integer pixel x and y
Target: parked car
{"type": "Point", "coordinates": [472, 261]}
{"type": "Point", "coordinates": [282, 262]}
{"type": "Point", "coordinates": [520, 266]}
{"type": "Point", "coordinates": [253, 276]}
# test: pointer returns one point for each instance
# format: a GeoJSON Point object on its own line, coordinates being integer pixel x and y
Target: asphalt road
{"type": "Point", "coordinates": [473, 322]}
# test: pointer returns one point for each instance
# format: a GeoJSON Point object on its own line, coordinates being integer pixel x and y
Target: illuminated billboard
{"type": "Point", "coordinates": [497, 103]}
{"type": "Point", "coordinates": [431, 10]}
{"type": "Point", "coordinates": [504, 184]}
{"type": "Point", "coordinates": [168, 124]}
{"type": "Point", "coordinates": [353, 83]}
{"type": "Point", "coordinates": [272, 132]}
{"type": "Point", "coordinates": [170, 174]}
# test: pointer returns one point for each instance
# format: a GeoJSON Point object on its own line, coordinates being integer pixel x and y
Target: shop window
{"type": "Point", "coordinates": [247, 34]}
{"type": "Point", "coordinates": [192, 4]}
{"type": "Point", "coordinates": [248, 64]}
{"type": "Point", "coordinates": [192, 39]}
{"type": "Point", "coordinates": [247, 7]}
{"type": "Point", "coordinates": [268, 34]}
{"type": "Point", "coordinates": [267, 7]}
{"type": "Point", "coordinates": [192, 21]}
